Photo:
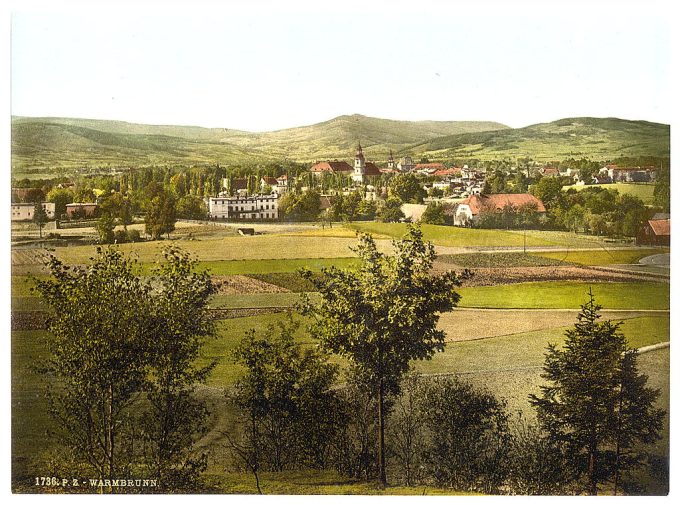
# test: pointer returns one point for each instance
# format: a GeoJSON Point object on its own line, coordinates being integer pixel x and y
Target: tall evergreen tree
{"type": "Point", "coordinates": [586, 406]}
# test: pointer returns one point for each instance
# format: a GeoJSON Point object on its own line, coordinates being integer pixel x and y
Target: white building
{"type": "Point", "coordinates": [251, 208]}
{"type": "Point", "coordinates": [24, 211]}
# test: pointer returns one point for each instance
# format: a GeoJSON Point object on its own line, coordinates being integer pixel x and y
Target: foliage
{"type": "Point", "coordinates": [160, 214]}
{"type": "Point", "coordinates": [39, 216]}
{"type": "Point", "coordinates": [304, 206]}
{"type": "Point", "coordinates": [180, 325]}
{"type": "Point", "coordinates": [468, 435]}
{"type": "Point", "coordinates": [191, 207]}
{"type": "Point", "coordinates": [383, 315]}
{"type": "Point", "coordinates": [594, 388]}
{"type": "Point", "coordinates": [122, 353]}
{"type": "Point", "coordinates": [434, 214]}
{"type": "Point", "coordinates": [289, 413]}
{"type": "Point", "coordinates": [662, 189]}
{"type": "Point", "coordinates": [407, 188]}
{"type": "Point", "coordinates": [60, 197]}
{"type": "Point", "coordinates": [100, 343]}
{"type": "Point", "coordinates": [390, 211]}
{"type": "Point", "coordinates": [105, 226]}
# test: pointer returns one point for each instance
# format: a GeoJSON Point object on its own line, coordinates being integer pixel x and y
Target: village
{"type": "Point", "coordinates": [456, 195]}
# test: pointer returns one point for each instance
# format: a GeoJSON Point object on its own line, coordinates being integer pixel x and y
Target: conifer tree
{"type": "Point", "coordinates": [596, 404]}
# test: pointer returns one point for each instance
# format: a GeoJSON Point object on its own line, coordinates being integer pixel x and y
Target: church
{"type": "Point", "coordinates": [362, 168]}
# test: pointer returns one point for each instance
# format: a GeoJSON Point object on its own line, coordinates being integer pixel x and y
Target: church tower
{"type": "Point", "coordinates": [359, 166]}
{"type": "Point", "coordinates": [390, 161]}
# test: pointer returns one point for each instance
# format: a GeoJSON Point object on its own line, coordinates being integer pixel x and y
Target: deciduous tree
{"type": "Point", "coordinates": [383, 315]}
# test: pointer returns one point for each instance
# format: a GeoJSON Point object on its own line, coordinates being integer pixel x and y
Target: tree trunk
{"type": "Point", "coordinates": [381, 434]}
{"type": "Point", "coordinates": [109, 432]}
{"type": "Point", "coordinates": [591, 472]}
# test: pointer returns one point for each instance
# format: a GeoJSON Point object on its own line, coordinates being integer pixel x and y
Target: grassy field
{"type": "Point", "coordinates": [451, 236]}
{"type": "Point", "coordinates": [604, 257]}
{"type": "Point", "coordinates": [237, 267]}
{"type": "Point", "coordinates": [644, 192]}
{"type": "Point", "coordinates": [274, 247]}
{"type": "Point", "coordinates": [568, 295]}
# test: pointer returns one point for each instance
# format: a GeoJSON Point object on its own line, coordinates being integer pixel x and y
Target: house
{"type": "Point", "coordinates": [656, 232]}
{"type": "Point", "coordinates": [272, 182]}
{"type": "Point", "coordinates": [447, 172]}
{"type": "Point", "coordinates": [430, 167]}
{"type": "Point", "coordinates": [283, 184]}
{"type": "Point", "coordinates": [629, 174]}
{"type": "Point", "coordinates": [406, 164]}
{"type": "Point", "coordinates": [255, 208]}
{"type": "Point", "coordinates": [81, 210]}
{"type": "Point", "coordinates": [469, 210]}
{"type": "Point", "coordinates": [549, 172]}
{"type": "Point", "coordinates": [236, 186]}
{"type": "Point", "coordinates": [331, 167]}
{"type": "Point", "coordinates": [25, 211]}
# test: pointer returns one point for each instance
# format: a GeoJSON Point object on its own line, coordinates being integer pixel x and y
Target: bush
{"type": "Point", "coordinates": [133, 236]}
{"type": "Point", "coordinates": [120, 237]}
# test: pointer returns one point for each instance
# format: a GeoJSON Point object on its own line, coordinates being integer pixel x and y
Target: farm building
{"type": "Point", "coordinates": [469, 210]}
{"type": "Point", "coordinates": [252, 208]}
{"type": "Point", "coordinates": [656, 232]}
{"type": "Point", "coordinates": [78, 210]}
{"type": "Point", "coordinates": [25, 211]}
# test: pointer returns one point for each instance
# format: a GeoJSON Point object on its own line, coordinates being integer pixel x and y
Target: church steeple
{"type": "Point", "coordinates": [359, 165]}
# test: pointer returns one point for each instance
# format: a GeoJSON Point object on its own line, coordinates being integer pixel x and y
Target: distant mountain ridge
{"type": "Point", "coordinates": [71, 142]}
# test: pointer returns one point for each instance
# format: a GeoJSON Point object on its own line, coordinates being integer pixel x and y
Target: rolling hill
{"type": "Point", "coordinates": [595, 138]}
{"type": "Point", "coordinates": [48, 145]}
{"type": "Point", "coordinates": [68, 142]}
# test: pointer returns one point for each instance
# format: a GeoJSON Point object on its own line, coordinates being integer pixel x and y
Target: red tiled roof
{"type": "Point", "coordinates": [271, 181]}
{"type": "Point", "coordinates": [447, 171]}
{"type": "Point", "coordinates": [437, 166]}
{"type": "Point", "coordinates": [660, 227]}
{"type": "Point", "coordinates": [550, 170]}
{"type": "Point", "coordinates": [500, 201]}
{"type": "Point", "coordinates": [332, 166]}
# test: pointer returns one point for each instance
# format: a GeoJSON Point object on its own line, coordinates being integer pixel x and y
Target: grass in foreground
{"type": "Point", "coordinates": [604, 257]}
{"type": "Point", "coordinates": [311, 482]}
{"type": "Point", "coordinates": [568, 295]}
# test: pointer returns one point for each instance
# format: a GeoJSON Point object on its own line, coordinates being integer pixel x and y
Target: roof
{"type": "Point", "coordinates": [237, 184]}
{"type": "Point", "coordinates": [447, 171]}
{"type": "Point", "coordinates": [500, 201]}
{"type": "Point", "coordinates": [271, 181]}
{"type": "Point", "coordinates": [80, 204]}
{"type": "Point", "coordinates": [660, 227]}
{"type": "Point", "coordinates": [436, 166]}
{"type": "Point", "coordinates": [332, 166]}
{"type": "Point", "coordinates": [325, 202]}
{"type": "Point", "coordinates": [371, 169]}
{"type": "Point", "coordinates": [550, 170]}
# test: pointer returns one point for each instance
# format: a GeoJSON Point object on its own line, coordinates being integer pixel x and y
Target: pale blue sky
{"type": "Point", "coordinates": [266, 67]}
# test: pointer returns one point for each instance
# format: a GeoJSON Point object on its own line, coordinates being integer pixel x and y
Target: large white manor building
{"type": "Point", "coordinates": [246, 208]}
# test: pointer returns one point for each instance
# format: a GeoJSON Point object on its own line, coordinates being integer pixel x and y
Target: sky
{"type": "Point", "coordinates": [266, 66]}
